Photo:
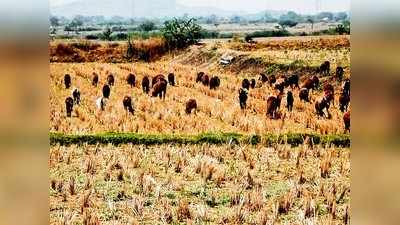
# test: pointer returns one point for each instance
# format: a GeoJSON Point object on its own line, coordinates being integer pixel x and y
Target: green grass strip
{"type": "Point", "coordinates": [293, 139]}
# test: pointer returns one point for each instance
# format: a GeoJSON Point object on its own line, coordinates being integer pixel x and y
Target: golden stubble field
{"type": "Point", "coordinates": [218, 110]}
{"type": "Point", "coordinates": [199, 184]}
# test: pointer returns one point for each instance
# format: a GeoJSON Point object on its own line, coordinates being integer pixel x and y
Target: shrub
{"type": "Point", "coordinates": [119, 36]}
{"type": "Point", "coordinates": [92, 37]}
{"type": "Point", "coordinates": [147, 26]}
{"type": "Point", "coordinates": [180, 33]}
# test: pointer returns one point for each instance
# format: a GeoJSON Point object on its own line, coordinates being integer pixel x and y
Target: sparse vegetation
{"type": "Point", "coordinates": [213, 184]}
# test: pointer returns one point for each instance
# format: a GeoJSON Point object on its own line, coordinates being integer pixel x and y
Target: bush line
{"type": "Point", "coordinates": [293, 139]}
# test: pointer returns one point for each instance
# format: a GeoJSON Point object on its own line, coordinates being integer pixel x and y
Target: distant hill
{"type": "Point", "coordinates": [132, 8]}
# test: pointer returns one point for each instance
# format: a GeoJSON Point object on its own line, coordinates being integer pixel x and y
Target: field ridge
{"type": "Point", "coordinates": [293, 139]}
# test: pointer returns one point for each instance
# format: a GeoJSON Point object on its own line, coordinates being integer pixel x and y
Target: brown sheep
{"type": "Point", "coordinates": [293, 81]}
{"type": "Point", "coordinates": [263, 78]}
{"type": "Point", "coordinates": [157, 78]}
{"type": "Point", "coordinates": [279, 87]}
{"type": "Point", "coordinates": [190, 106]}
{"type": "Point", "coordinates": [67, 81]}
{"type": "Point", "coordinates": [110, 80]}
{"type": "Point", "coordinates": [131, 80]}
{"type": "Point", "coordinates": [253, 83]}
{"type": "Point", "coordinates": [146, 84]}
{"type": "Point", "coordinates": [69, 104]}
{"type": "Point", "coordinates": [160, 89]}
{"type": "Point", "coordinates": [344, 100]}
{"type": "Point", "coordinates": [199, 77]}
{"type": "Point", "coordinates": [273, 105]}
{"type": "Point", "coordinates": [214, 82]}
{"type": "Point", "coordinates": [205, 80]}
{"type": "Point", "coordinates": [171, 79]}
{"type": "Point", "coordinates": [329, 92]}
{"type": "Point", "coordinates": [325, 68]}
{"type": "Point", "coordinates": [346, 87]}
{"type": "Point", "coordinates": [346, 121]}
{"type": "Point", "coordinates": [243, 95]}
{"type": "Point", "coordinates": [315, 80]}
{"type": "Point", "coordinates": [289, 101]}
{"type": "Point", "coordinates": [127, 103]}
{"type": "Point", "coordinates": [272, 80]}
{"type": "Point", "coordinates": [303, 95]}
{"type": "Point", "coordinates": [308, 84]}
{"type": "Point", "coordinates": [322, 104]}
{"type": "Point", "coordinates": [95, 79]}
{"type": "Point", "coordinates": [283, 80]}
{"type": "Point", "coordinates": [246, 84]}
{"type": "Point", "coordinates": [339, 73]}
{"type": "Point", "coordinates": [76, 94]}
{"type": "Point", "coordinates": [106, 91]}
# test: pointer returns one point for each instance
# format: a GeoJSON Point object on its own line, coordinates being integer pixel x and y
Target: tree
{"type": "Point", "coordinates": [54, 21]}
{"type": "Point", "coordinates": [343, 28]}
{"type": "Point", "coordinates": [311, 21]}
{"type": "Point", "coordinates": [106, 35]}
{"type": "Point", "coordinates": [341, 16]}
{"type": "Point", "coordinates": [74, 24]}
{"type": "Point", "coordinates": [287, 23]}
{"type": "Point", "coordinates": [235, 19]}
{"type": "Point", "coordinates": [180, 33]}
{"type": "Point", "coordinates": [147, 26]}
{"type": "Point", "coordinates": [291, 16]}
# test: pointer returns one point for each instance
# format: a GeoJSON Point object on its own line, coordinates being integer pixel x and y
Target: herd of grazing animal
{"type": "Point", "coordinates": [159, 83]}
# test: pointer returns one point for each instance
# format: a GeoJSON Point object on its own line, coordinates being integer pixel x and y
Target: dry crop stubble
{"type": "Point", "coordinates": [192, 183]}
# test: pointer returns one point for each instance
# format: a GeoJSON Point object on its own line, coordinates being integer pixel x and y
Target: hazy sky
{"type": "Point", "coordinates": [304, 6]}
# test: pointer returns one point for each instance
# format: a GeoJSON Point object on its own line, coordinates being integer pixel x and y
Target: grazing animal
{"type": "Point", "coordinates": [315, 80]}
{"type": "Point", "coordinates": [325, 68]}
{"type": "Point", "coordinates": [263, 78]}
{"type": "Point", "coordinates": [67, 81]}
{"type": "Point", "coordinates": [273, 103]}
{"type": "Point", "coordinates": [279, 98]}
{"type": "Point", "coordinates": [76, 94]}
{"type": "Point", "coordinates": [283, 80]}
{"type": "Point", "coordinates": [339, 73]}
{"type": "Point", "coordinates": [214, 82]}
{"type": "Point", "coordinates": [101, 103]}
{"type": "Point", "coordinates": [322, 104]}
{"type": "Point", "coordinates": [308, 84]}
{"type": "Point", "coordinates": [190, 105]}
{"type": "Point", "coordinates": [293, 81]}
{"type": "Point", "coordinates": [127, 103]}
{"type": "Point", "coordinates": [160, 89]}
{"type": "Point", "coordinates": [303, 95]}
{"type": "Point", "coordinates": [110, 80]}
{"type": "Point", "coordinates": [106, 91]}
{"type": "Point", "coordinates": [157, 78]}
{"type": "Point", "coordinates": [344, 100]}
{"type": "Point", "coordinates": [346, 121]}
{"type": "Point", "coordinates": [289, 101]}
{"type": "Point", "coordinates": [69, 104]}
{"type": "Point", "coordinates": [199, 77]}
{"type": "Point", "coordinates": [171, 79]}
{"type": "Point", "coordinates": [246, 84]}
{"type": "Point", "coordinates": [131, 80]}
{"type": "Point", "coordinates": [95, 79]}
{"type": "Point", "coordinates": [205, 80]}
{"type": "Point", "coordinates": [280, 87]}
{"type": "Point", "coordinates": [146, 84]}
{"type": "Point", "coordinates": [243, 96]}
{"type": "Point", "coordinates": [272, 80]}
{"type": "Point", "coordinates": [346, 87]}
{"type": "Point", "coordinates": [329, 90]}
{"type": "Point", "coordinates": [253, 83]}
